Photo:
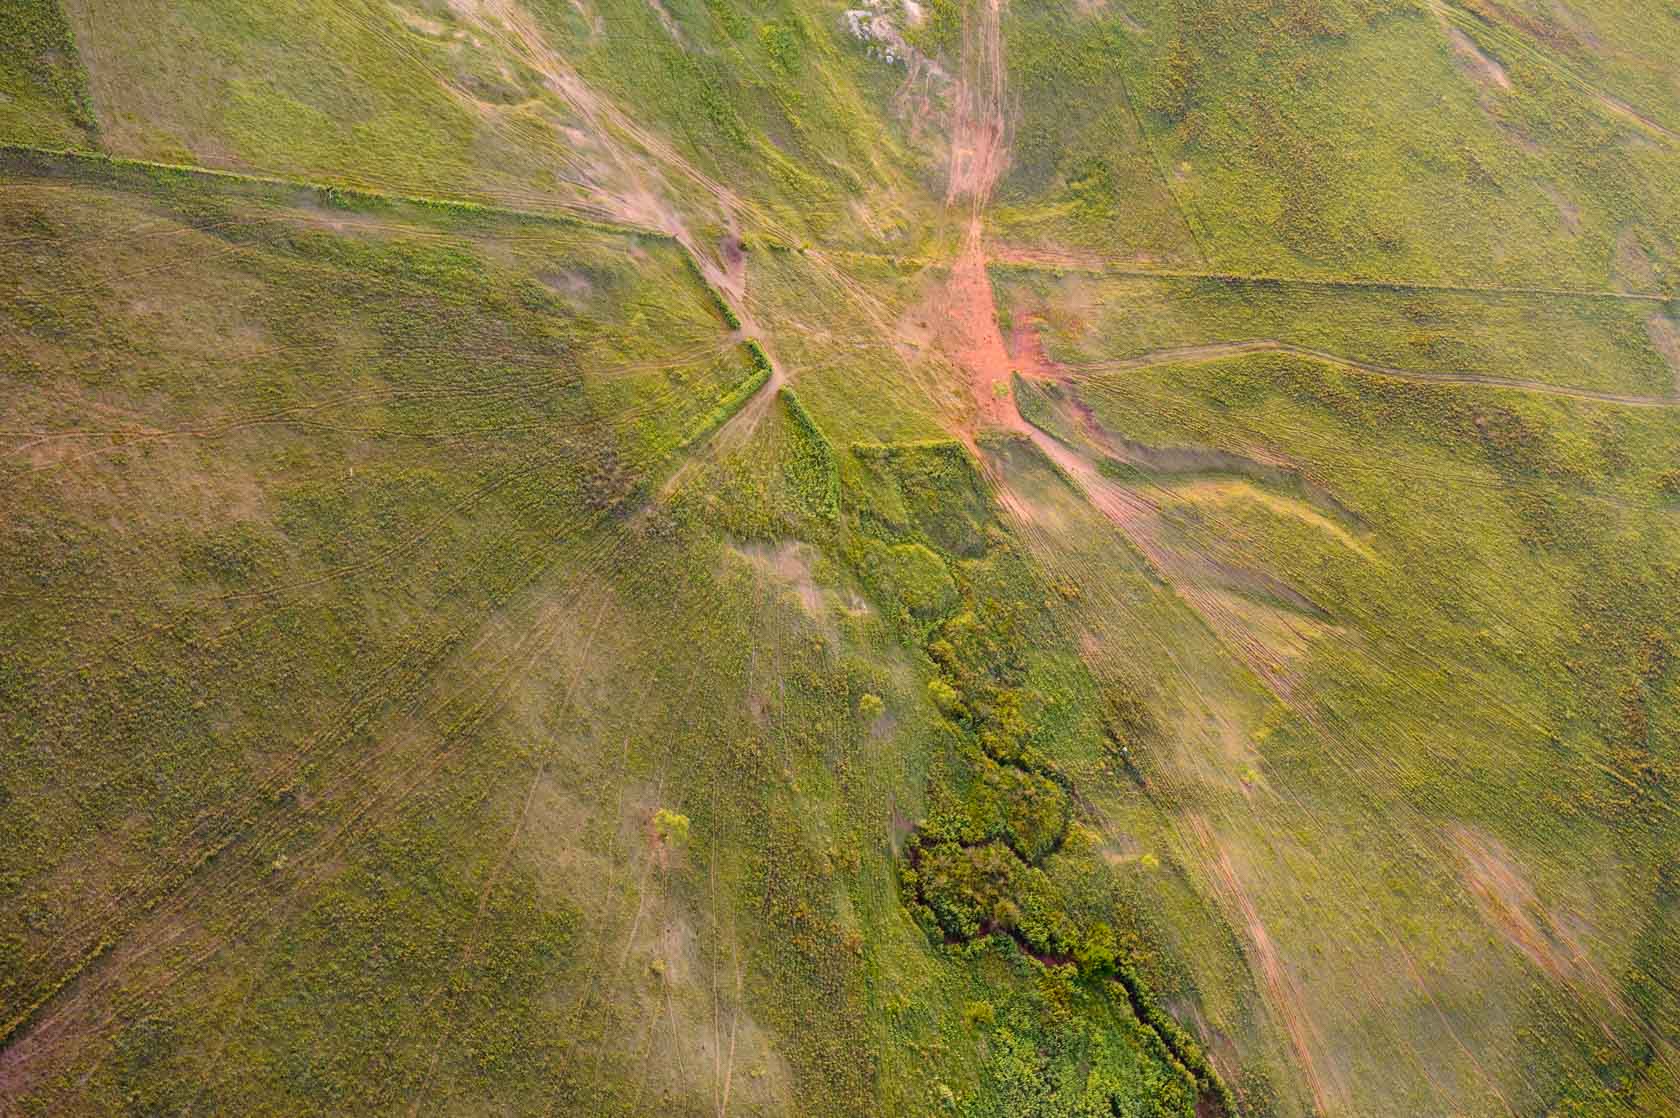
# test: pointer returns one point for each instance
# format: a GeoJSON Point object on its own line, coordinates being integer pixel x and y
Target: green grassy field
{"type": "Point", "coordinates": [686, 557]}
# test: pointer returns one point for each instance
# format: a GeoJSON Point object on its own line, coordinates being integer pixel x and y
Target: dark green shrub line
{"type": "Point", "coordinates": [887, 452]}
{"type": "Point", "coordinates": [35, 35]}
{"type": "Point", "coordinates": [733, 400]}
{"type": "Point", "coordinates": [755, 353]}
{"type": "Point", "coordinates": [1021, 919]}
{"type": "Point", "coordinates": [814, 471]}
{"type": "Point", "coordinates": [717, 300]}
{"type": "Point", "coordinates": [113, 170]}
{"type": "Point", "coordinates": [974, 871]}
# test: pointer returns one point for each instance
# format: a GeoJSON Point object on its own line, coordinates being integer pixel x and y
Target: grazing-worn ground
{"type": "Point", "coordinates": [935, 557]}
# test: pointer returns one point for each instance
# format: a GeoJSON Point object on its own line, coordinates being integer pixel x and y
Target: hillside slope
{"type": "Point", "coordinates": [969, 556]}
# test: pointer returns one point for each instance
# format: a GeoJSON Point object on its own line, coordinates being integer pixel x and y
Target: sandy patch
{"type": "Point", "coordinates": [791, 565]}
{"type": "Point", "coordinates": [1665, 339]}
{"type": "Point", "coordinates": [1481, 69]}
{"type": "Point", "coordinates": [1510, 905]}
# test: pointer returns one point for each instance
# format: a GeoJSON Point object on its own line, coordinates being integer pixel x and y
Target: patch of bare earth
{"type": "Point", "coordinates": [968, 329]}
{"type": "Point", "coordinates": [969, 332]}
{"type": "Point", "coordinates": [1065, 259]}
{"type": "Point", "coordinates": [979, 132]}
{"type": "Point", "coordinates": [1483, 70]}
{"type": "Point", "coordinates": [1664, 333]}
{"type": "Point", "coordinates": [1568, 212]}
{"type": "Point", "coordinates": [665, 21]}
{"type": "Point", "coordinates": [1509, 904]}
{"type": "Point", "coordinates": [790, 565]}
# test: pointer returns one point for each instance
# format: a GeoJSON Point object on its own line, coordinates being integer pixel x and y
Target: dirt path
{"type": "Point", "coordinates": [1279, 983]}
{"type": "Point", "coordinates": [1219, 351]}
{"type": "Point", "coordinates": [969, 332]}
{"type": "Point", "coordinates": [1665, 338]}
{"type": "Point", "coordinates": [979, 154]}
{"type": "Point", "coordinates": [979, 130]}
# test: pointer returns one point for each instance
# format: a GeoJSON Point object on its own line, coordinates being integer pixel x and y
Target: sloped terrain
{"type": "Point", "coordinates": [949, 557]}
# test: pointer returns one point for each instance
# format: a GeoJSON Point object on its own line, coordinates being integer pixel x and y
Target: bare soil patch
{"type": "Point", "coordinates": [1483, 70]}
{"type": "Point", "coordinates": [969, 332]}
{"type": "Point", "coordinates": [1665, 339]}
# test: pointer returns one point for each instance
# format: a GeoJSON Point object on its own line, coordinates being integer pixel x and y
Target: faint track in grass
{"type": "Point", "coordinates": [1220, 351]}
{"type": "Point", "coordinates": [1032, 259]}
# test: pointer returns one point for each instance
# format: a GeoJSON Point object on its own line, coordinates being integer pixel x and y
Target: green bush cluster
{"type": "Point", "coordinates": [909, 574]}
{"type": "Point", "coordinates": [975, 870]}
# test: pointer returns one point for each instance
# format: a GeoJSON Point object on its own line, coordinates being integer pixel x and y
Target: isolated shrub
{"type": "Point", "coordinates": [945, 697]}
{"type": "Point", "coordinates": [671, 827]}
{"type": "Point", "coordinates": [1098, 951]}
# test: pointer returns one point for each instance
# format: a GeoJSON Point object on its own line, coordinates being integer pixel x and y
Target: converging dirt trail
{"type": "Point", "coordinates": [970, 332]}
{"type": "Point", "coordinates": [646, 163]}
{"type": "Point", "coordinates": [979, 130]}
{"type": "Point", "coordinates": [979, 155]}
{"type": "Point", "coordinates": [970, 335]}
